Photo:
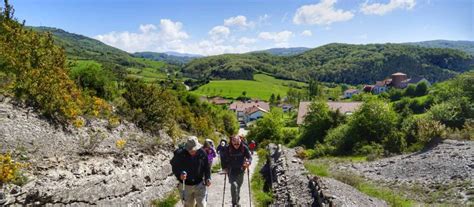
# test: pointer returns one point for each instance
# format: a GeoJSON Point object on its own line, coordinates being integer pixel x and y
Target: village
{"type": "Point", "coordinates": [248, 111]}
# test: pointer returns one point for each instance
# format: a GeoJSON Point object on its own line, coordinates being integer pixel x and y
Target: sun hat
{"type": "Point", "coordinates": [192, 143]}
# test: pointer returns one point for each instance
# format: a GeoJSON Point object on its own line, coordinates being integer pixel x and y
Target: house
{"type": "Point", "coordinates": [219, 101]}
{"type": "Point", "coordinates": [249, 110]}
{"type": "Point", "coordinates": [350, 92]}
{"type": "Point", "coordinates": [399, 80]}
{"type": "Point", "coordinates": [286, 107]}
{"type": "Point", "coordinates": [380, 87]}
{"type": "Point", "coordinates": [346, 108]}
{"type": "Point", "coordinates": [368, 88]}
{"type": "Point", "coordinates": [253, 113]}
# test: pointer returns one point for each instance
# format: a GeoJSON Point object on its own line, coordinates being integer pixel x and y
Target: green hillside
{"type": "Point", "coordinates": [79, 47]}
{"type": "Point", "coordinates": [466, 46]}
{"type": "Point", "coordinates": [341, 63]}
{"type": "Point", "coordinates": [262, 87]}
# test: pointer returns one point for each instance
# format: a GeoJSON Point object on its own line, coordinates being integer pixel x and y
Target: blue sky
{"type": "Point", "coordinates": [233, 26]}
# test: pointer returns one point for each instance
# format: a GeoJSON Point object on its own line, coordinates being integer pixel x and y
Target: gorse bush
{"type": "Point", "coordinates": [39, 69]}
{"type": "Point", "coordinates": [10, 170]}
{"type": "Point", "coordinates": [38, 74]}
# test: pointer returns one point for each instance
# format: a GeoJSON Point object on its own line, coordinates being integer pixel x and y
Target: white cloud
{"type": "Point", "coordinates": [246, 40]}
{"type": "Point", "coordinates": [322, 13]}
{"type": "Point", "coordinates": [167, 36]}
{"type": "Point", "coordinates": [381, 9]}
{"type": "Point", "coordinates": [219, 32]}
{"type": "Point", "coordinates": [240, 21]}
{"type": "Point", "coordinates": [147, 28]}
{"type": "Point", "coordinates": [307, 33]}
{"type": "Point", "coordinates": [277, 37]}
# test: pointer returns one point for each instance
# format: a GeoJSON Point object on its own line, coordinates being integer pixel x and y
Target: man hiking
{"type": "Point", "coordinates": [190, 166]}
{"type": "Point", "coordinates": [235, 160]}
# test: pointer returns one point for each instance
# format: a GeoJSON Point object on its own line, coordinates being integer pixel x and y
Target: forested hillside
{"type": "Point", "coordinates": [284, 51]}
{"type": "Point", "coordinates": [466, 46]}
{"type": "Point", "coordinates": [341, 63]}
{"type": "Point", "coordinates": [170, 59]}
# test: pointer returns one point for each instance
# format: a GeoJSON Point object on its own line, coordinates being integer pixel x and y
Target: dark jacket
{"type": "Point", "coordinates": [233, 159]}
{"type": "Point", "coordinates": [197, 167]}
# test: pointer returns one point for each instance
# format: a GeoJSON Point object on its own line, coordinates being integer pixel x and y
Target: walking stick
{"type": "Point", "coordinates": [182, 191]}
{"type": "Point", "coordinates": [223, 195]}
{"type": "Point", "coordinates": [250, 194]}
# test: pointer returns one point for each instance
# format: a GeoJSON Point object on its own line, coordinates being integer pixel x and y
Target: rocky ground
{"type": "Point", "coordinates": [293, 185]}
{"type": "Point", "coordinates": [444, 173]}
{"type": "Point", "coordinates": [62, 172]}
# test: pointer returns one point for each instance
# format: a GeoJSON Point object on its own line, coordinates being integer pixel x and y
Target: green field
{"type": "Point", "coordinates": [147, 74]}
{"type": "Point", "coordinates": [261, 87]}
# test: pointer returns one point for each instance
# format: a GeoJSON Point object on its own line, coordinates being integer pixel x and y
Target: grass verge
{"type": "Point", "coordinates": [170, 201]}
{"type": "Point", "coordinates": [260, 197]}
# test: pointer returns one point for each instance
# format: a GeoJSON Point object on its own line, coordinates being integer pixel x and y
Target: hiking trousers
{"type": "Point", "coordinates": [194, 195]}
{"type": "Point", "coordinates": [236, 180]}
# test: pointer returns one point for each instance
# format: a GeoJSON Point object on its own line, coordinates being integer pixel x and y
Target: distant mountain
{"type": "Point", "coordinates": [182, 54]}
{"type": "Point", "coordinates": [340, 63]}
{"type": "Point", "coordinates": [177, 59]}
{"type": "Point", "coordinates": [284, 51]}
{"type": "Point", "coordinates": [466, 46]}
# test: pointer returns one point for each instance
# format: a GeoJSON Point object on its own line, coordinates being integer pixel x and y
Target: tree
{"type": "Point", "coordinates": [270, 127]}
{"type": "Point", "coordinates": [374, 121]}
{"type": "Point", "coordinates": [89, 75]}
{"type": "Point", "coordinates": [314, 89]}
{"type": "Point", "coordinates": [272, 99]}
{"type": "Point", "coordinates": [278, 98]}
{"type": "Point", "coordinates": [410, 90]}
{"type": "Point", "coordinates": [231, 125]}
{"type": "Point", "coordinates": [421, 89]}
{"type": "Point", "coordinates": [317, 122]}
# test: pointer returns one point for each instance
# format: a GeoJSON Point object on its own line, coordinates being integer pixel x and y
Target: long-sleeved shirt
{"type": "Point", "coordinates": [196, 167]}
{"type": "Point", "coordinates": [233, 159]}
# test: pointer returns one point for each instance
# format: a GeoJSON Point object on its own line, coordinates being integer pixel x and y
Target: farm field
{"type": "Point", "coordinates": [261, 87]}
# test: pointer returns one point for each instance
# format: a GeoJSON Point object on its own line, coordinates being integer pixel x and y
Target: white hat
{"type": "Point", "coordinates": [192, 143]}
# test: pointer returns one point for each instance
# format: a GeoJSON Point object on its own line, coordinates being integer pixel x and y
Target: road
{"type": "Point", "coordinates": [215, 191]}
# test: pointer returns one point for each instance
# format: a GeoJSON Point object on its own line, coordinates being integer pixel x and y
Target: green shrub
{"type": "Point", "coordinates": [170, 201]}
{"type": "Point", "coordinates": [373, 149]}
{"type": "Point", "coordinates": [261, 197]}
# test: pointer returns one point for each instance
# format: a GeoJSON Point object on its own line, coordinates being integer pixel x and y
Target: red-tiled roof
{"type": "Point", "coordinates": [219, 100]}
{"type": "Point", "coordinates": [351, 91]}
{"type": "Point", "coordinates": [344, 107]}
{"type": "Point", "coordinates": [242, 106]}
{"type": "Point", "coordinates": [254, 109]}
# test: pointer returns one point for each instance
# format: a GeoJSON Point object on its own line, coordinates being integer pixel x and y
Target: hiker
{"type": "Point", "coordinates": [235, 160]}
{"type": "Point", "coordinates": [191, 167]}
{"type": "Point", "coordinates": [222, 146]}
{"type": "Point", "coordinates": [252, 146]}
{"type": "Point", "coordinates": [210, 151]}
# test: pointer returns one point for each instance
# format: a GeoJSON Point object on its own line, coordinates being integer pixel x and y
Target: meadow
{"type": "Point", "coordinates": [262, 87]}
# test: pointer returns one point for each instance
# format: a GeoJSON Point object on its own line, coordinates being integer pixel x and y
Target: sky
{"type": "Point", "coordinates": [210, 27]}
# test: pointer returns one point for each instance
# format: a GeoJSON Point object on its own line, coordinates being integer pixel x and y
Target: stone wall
{"type": "Point", "coordinates": [292, 184]}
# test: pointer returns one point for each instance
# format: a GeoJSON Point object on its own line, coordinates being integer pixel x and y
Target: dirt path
{"type": "Point", "coordinates": [215, 191]}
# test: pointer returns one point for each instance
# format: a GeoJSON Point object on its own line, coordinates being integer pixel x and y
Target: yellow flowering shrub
{"type": "Point", "coordinates": [121, 143]}
{"type": "Point", "coordinates": [9, 169]}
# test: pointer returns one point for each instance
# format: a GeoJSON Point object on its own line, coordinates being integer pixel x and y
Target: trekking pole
{"type": "Point", "coordinates": [223, 195]}
{"type": "Point", "coordinates": [250, 194]}
{"type": "Point", "coordinates": [182, 191]}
